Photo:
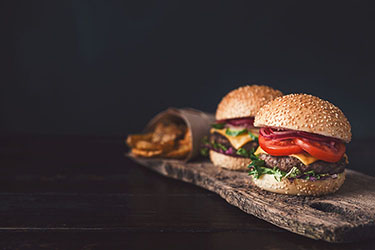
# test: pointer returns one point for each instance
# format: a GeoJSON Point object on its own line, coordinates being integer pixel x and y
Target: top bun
{"type": "Point", "coordinates": [305, 113]}
{"type": "Point", "coordinates": [245, 101]}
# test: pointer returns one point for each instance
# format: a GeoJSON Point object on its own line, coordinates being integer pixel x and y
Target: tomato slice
{"type": "Point", "coordinates": [279, 147]}
{"type": "Point", "coordinates": [322, 151]}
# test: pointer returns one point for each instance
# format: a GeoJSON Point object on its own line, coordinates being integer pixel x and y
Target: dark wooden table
{"type": "Point", "coordinates": [73, 192]}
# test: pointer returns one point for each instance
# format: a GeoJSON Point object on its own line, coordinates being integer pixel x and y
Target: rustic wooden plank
{"type": "Point", "coordinates": [348, 215]}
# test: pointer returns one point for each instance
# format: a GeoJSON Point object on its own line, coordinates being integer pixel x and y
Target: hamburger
{"type": "Point", "coordinates": [233, 138]}
{"type": "Point", "coordinates": [301, 146]}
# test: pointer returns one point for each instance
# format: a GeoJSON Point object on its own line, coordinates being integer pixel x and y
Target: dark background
{"type": "Point", "coordinates": [106, 67]}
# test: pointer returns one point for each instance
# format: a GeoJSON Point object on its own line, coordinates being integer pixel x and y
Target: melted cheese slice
{"type": "Point", "coordinates": [239, 140]}
{"type": "Point", "coordinates": [304, 157]}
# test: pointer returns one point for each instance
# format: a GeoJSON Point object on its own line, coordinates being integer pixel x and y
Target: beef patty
{"type": "Point", "coordinates": [218, 138]}
{"type": "Point", "coordinates": [285, 163]}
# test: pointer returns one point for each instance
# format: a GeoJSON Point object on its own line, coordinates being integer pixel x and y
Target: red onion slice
{"type": "Point", "coordinates": [270, 133]}
{"type": "Point", "coordinates": [244, 122]}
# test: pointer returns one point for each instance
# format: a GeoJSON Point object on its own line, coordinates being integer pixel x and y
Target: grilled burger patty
{"type": "Point", "coordinates": [218, 138]}
{"type": "Point", "coordinates": [285, 163]}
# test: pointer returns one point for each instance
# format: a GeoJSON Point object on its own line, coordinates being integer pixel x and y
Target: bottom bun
{"type": "Point", "coordinates": [300, 186]}
{"type": "Point", "coordinates": [229, 162]}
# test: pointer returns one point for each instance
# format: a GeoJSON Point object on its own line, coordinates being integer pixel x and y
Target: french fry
{"type": "Point", "coordinates": [167, 132]}
{"type": "Point", "coordinates": [133, 139]}
{"type": "Point", "coordinates": [187, 138]}
{"type": "Point", "coordinates": [146, 145]}
{"type": "Point", "coordinates": [182, 151]}
{"type": "Point", "coordinates": [167, 146]}
{"type": "Point", "coordinates": [162, 142]}
{"type": "Point", "coordinates": [146, 153]}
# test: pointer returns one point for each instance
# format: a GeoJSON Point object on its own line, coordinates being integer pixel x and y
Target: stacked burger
{"type": "Point", "coordinates": [292, 144]}
{"type": "Point", "coordinates": [233, 138]}
{"type": "Point", "coordinates": [301, 146]}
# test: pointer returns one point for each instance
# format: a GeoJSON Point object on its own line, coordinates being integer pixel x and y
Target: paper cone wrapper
{"type": "Point", "coordinates": [198, 122]}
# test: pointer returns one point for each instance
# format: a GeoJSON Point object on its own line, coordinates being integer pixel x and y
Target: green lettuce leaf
{"type": "Point", "coordinates": [257, 169]}
{"type": "Point", "coordinates": [218, 125]}
{"type": "Point", "coordinates": [204, 151]}
{"type": "Point", "coordinates": [219, 146]}
{"type": "Point", "coordinates": [235, 132]}
{"type": "Point", "coordinates": [252, 136]}
{"type": "Point", "coordinates": [243, 152]}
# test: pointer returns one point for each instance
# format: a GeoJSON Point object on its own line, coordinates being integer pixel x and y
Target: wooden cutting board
{"type": "Point", "coordinates": [348, 215]}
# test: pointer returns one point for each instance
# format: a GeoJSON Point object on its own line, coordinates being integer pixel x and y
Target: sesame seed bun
{"type": "Point", "coordinates": [305, 113]}
{"type": "Point", "coordinates": [229, 162]}
{"type": "Point", "coordinates": [300, 186]}
{"type": "Point", "coordinates": [245, 101]}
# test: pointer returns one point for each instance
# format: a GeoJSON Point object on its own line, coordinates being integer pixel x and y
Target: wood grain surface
{"type": "Point", "coordinates": [345, 216]}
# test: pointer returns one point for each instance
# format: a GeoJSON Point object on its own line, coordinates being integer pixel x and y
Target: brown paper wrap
{"type": "Point", "coordinates": [198, 122]}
